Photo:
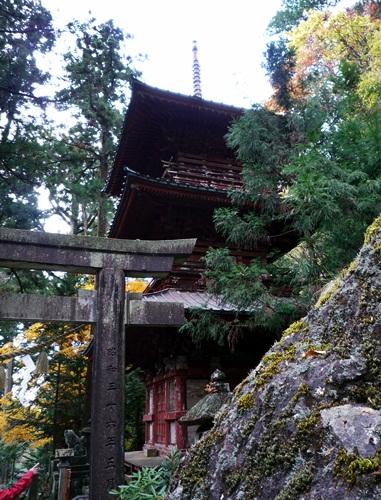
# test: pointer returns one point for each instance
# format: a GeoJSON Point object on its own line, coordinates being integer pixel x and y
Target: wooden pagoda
{"type": "Point", "coordinates": [172, 170]}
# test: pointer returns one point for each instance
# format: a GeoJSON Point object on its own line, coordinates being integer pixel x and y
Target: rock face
{"type": "Point", "coordinates": [306, 423]}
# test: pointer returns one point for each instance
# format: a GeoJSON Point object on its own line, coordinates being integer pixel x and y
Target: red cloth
{"type": "Point", "coordinates": [17, 488]}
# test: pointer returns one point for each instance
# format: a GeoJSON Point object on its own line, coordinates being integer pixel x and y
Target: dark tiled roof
{"type": "Point", "coordinates": [203, 300]}
{"type": "Point", "coordinates": [174, 184]}
{"type": "Point", "coordinates": [189, 299]}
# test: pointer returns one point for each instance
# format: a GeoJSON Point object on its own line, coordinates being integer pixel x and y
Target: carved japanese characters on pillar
{"type": "Point", "coordinates": [108, 375]}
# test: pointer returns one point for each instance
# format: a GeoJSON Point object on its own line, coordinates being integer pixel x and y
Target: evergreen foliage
{"type": "Point", "coordinates": [25, 32]}
{"type": "Point", "coordinates": [310, 160]}
{"type": "Point", "coordinates": [294, 11]}
{"type": "Point", "coordinates": [135, 408]}
{"type": "Point", "coordinates": [97, 74]}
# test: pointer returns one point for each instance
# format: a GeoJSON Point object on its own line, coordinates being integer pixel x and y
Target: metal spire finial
{"type": "Point", "coordinates": [196, 73]}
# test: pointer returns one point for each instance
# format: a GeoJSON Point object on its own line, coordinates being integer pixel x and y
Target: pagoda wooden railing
{"type": "Point", "coordinates": [204, 172]}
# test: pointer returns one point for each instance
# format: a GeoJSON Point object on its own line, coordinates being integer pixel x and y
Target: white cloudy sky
{"type": "Point", "coordinates": [230, 37]}
{"type": "Point", "coordinates": [230, 34]}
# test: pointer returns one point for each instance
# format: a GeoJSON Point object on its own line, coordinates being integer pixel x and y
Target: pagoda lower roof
{"type": "Point", "coordinates": [185, 187]}
{"type": "Point", "coordinates": [190, 300]}
{"type": "Point", "coordinates": [204, 300]}
{"type": "Point", "coordinates": [136, 182]}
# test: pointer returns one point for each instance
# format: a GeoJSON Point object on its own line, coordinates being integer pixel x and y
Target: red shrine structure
{"type": "Point", "coordinates": [171, 171]}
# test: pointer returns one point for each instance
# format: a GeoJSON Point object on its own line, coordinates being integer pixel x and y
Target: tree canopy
{"type": "Point", "coordinates": [97, 74]}
{"type": "Point", "coordinates": [311, 159]}
{"type": "Point", "coordinates": [25, 31]}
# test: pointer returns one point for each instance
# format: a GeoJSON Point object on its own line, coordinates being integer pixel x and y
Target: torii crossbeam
{"type": "Point", "coordinates": [111, 260]}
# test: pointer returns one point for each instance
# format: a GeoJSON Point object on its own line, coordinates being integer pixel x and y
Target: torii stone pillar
{"type": "Point", "coordinates": [111, 260]}
{"type": "Point", "coordinates": [107, 434]}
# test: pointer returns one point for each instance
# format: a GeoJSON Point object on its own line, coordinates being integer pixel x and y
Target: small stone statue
{"type": "Point", "coordinates": [74, 442]}
{"type": "Point", "coordinates": [217, 382]}
{"type": "Point", "coordinates": [204, 411]}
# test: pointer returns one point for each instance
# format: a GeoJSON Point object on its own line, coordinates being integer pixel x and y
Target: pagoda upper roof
{"type": "Point", "coordinates": [152, 117]}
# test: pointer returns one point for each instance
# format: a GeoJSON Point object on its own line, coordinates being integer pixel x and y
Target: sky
{"type": "Point", "coordinates": [230, 35]}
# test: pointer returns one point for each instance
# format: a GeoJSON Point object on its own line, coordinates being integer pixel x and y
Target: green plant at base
{"type": "Point", "coordinates": [145, 483]}
{"type": "Point", "coordinates": [150, 482]}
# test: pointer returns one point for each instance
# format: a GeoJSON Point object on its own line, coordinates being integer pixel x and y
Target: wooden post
{"type": "Point", "coordinates": [62, 479]}
{"type": "Point", "coordinates": [33, 489]}
{"type": "Point", "coordinates": [67, 485]}
{"type": "Point", "coordinates": [181, 431]}
{"type": "Point", "coordinates": [107, 415]}
{"type": "Point", "coordinates": [154, 407]}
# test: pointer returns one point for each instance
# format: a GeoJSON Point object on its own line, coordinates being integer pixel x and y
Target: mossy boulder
{"type": "Point", "coordinates": [306, 422]}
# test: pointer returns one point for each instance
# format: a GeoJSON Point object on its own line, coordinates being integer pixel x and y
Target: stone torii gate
{"type": "Point", "coordinates": [106, 308]}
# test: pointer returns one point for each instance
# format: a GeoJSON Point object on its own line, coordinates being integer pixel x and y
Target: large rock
{"type": "Point", "coordinates": [306, 422]}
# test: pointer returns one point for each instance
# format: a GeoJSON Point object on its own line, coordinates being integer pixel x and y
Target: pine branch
{"type": "Point", "coordinates": [29, 95]}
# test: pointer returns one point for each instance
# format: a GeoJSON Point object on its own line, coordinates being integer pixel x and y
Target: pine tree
{"type": "Point", "coordinates": [25, 32]}
{"type": "Point", "coordinates": [97, 74]}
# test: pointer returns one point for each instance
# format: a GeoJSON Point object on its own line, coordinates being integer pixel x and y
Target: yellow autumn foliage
{"type": "Point", "coordinates": [34, 332]}
{"type": "Point", "coordinates": [6, 348]}
{"type": "Point", "coordinates": [14, 423]}
{"type": "Point", "coordinates": [324, 40]}
{"type": "Point", "coordinates": [74, 343]}
{"type": "Point", "coordinates": [71, 344]}
{"type": "Point", "coordinates": [89, 284]}
{"type": "Point", "coordinates": [136, 285]}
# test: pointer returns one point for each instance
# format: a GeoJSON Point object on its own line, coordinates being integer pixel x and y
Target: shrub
{"type": "Point", "coordinates": [150, 483]}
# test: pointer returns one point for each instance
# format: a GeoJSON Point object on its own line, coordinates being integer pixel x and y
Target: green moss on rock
{"type": "Point", "coordinates": [271, 364]}
{"type": "Point", "coordinates": [299, 483]}
{"type": "Point", "coordinates": [246, 402]}
{"type": "Point", "coordinates": [324, 297]}
{"type": "Point", "coordinates": [295, 327]}
{"type": "Point", "coordinates": [372, 230]}
{"type": "Point", "coordinates": [350, 467]}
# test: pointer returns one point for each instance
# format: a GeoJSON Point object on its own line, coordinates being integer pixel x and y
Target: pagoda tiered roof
{"type": "Point", "coordinates": [159, 125]}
